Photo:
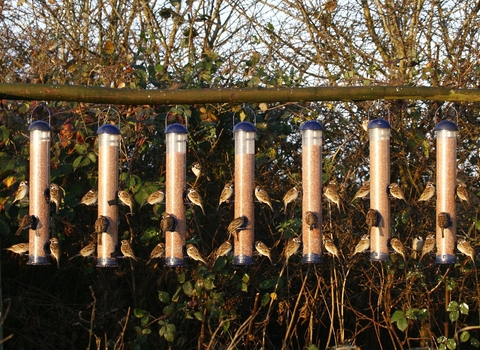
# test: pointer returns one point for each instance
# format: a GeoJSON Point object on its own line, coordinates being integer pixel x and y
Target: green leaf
{"type": "Point", "coordinates": [452, 306]}
{"type": "Point", "coordinates": [463, 307]}
{"type": "Point", "coordinates": [77, 162]}
{"type": "Point", "coordinates": [139, 313]}
{"type": "Point", "coordinates": [474, 342]}
{"type": "Point", "coordinates": [266, 299]}
{"type": "Point", "coordinates": [188, 288]}
{"type": "Point", "coordinates": [181, 277]}
{"type": "Point", "coordinates": [245, 278]}
{"type": "Point", "coordinates": [453, 315]}
{"type": "Point", "coordinates": [451, 344]}
{"type": "Point", "coordinates": [464, 336]}
{"type": "Point", "coordinates": [167, 310]}
{"type": "Point", "coordinates": [402, 324]}
{"type": "Point", "coordinates": [198, 315]}
{"type": "Point", "coordinates": [208, 284]}
{"type": "Point", "coordinates": [164, 297]}
{"type": "Point", "coordinates": [144, 320]}
{"type": "Point", "coordinates": [312, 347]}
{"type": "Point", "coordinates": [397, 315]}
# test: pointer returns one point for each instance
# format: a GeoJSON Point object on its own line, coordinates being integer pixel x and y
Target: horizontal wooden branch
{"type": "Point", "coordinates": [230, 95]}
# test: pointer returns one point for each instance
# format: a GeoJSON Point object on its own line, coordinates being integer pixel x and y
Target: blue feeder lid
{"type": "Point", "coordinates": [176, 129]}
{"type": "Point", "coordinates": [311, 125]}
{"type": "Point", "coordinates": [108, 129]}
{"type": "Point", "coordinates": [39, 125]}
{"type": "Point", "coordinates": [446, 125]}
{"type": "Point", "coordinates": [245, 126]}
{"type": "Point", "coordinates": [379, 124]}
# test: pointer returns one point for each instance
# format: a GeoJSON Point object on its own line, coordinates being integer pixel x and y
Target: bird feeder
{"type": "Point", "coordinates": [379, 134]}
{"type": "Point", "coordinates": [244, 136]}
{"type": "Point", "coordinates": [108, 149]}
{"type": "Point", "coordinates": [446, 133]}
{"type": "Point", "coordinates": [176, 142]}
{"type": "Point", "coordinates": [38, 192]}
{"type": "Point", "coordinates": [312, 132]}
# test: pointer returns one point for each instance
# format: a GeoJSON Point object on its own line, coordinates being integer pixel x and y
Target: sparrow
{"type": "Point", "coordinates": [396, 191]}
{"type": "Point", "coordinates": [126, 199]}
{"type": "Point", "coordinates": [90, 198]}
{"type": "Point", "coordinates": [311, 220]}
{"type": "Point", "coordinates": [263, 197]}
{"type": "Point", "coordinates": [262, 249]}
{"type": "Point", "coordinates": [365, 123]}
{"type": "Point", "coordinates": [372, 219]}
{"type": "Point", "coordinates": [290, 197]}
{"type": "Point", "coordinates": [56, 196]}
{"type": "Point", "coordinates": [462, 192]}
{"type": "Point", "coordinates": [427, 193]}
{"type": "Point", "coordinates": [224, 249]}
{"type": "Point", "coordinates": [362, 191]}
{"type": "Point", "coordinates": [28, 221]}
{"type": "Point", "coordinates": [197, 169]}
{"type": "Point", "coordinates": [330, 247]}
{"type": "Point", "coordinates": [157, 252]}
{"type": "Point", "coordinates": [195, 198]}
{"type": "Point", "coordinates": [155, 197]}
{"type": "Point", "coordinates": [22, 191]}
{"type": "Point", "coordinates": [331, 193]}
{"type": "Point", "coordinates": [443, 221]}
{"type": "Point", "coordinates": [428, 246]}
{"type": "Point", "coordinates": [236, 225]}
{"type": "Point", "coordinates": [226, 194]}
{"type": "Point", "coordinates": [363, 245]}
{"type": "Point", "coordinates": [397, 246]}
{"type": "Point", "coordinates": [417, 245]}
{"type": "Point", "coordinates": [20, 248]}
{"type": "Point", "coordinates": [465, 248]}
{"type": "Point", "coordinates": [86, 251]}
{"type": "Point", "coordinates": [101, 224]}
{"type": "Point", "coordinates": [127, 250]}
{"type": "Point", "coordinates": [168, 223]}
{"type": "Point", "coordinates": [292, 246]}
{"type": "Point", "coordinates": [194, 254]}
{"type": "Point", "coordinates": [55, 250]}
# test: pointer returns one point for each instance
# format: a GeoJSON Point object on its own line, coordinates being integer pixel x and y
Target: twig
{"type": "Point", "coordinates": [289, 328]}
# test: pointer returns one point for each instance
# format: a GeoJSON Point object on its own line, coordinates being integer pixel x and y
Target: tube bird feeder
{"type": "Point", "coordinates": [176, 142]}
{"type": "Point", "coordinates": [312, 133]}
{"type": "Point", "coordinates": [379, 134]}
{"type": "Point", "coordinates": [446, 133]}
{"type": "Point", "coordinates": [39, 184]}
{"type": "Point", "coordinates": [244, 136]}
{"type": "Point", "coordinates": [108, 149]}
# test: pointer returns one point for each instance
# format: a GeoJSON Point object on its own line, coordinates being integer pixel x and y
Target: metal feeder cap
{"type": "Point", "coordinates": [176, 129]}
{"type": "Point", "coordinates": [311, 125]}
{"type": "Point", "coordinates": [379, 124]}
{"type": "Point", "coordinates": [245, 126]}
{"type": "Point", "coordinates": [446, 125]}
{"type": "Point", "coordinates": [39, 125]}
{"type": "Point", "coordinates": [108, 129]}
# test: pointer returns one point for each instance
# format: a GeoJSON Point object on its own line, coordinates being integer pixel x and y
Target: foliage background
{"type": "Point", "coordinates": [213, 44]}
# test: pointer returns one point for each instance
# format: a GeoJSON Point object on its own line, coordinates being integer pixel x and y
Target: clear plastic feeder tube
{"type": "Point", "coordinates": [176, 142]}
{"type": "Point", "coordinates": [108, 149]}
{"type": "Point", "coordinates": [379, 135]}
{"type": "Point", "coordinates": [39, 183]}
{"type": "Point", "coordinates": [244, 135]}
{"type": "Point", "coordinates": [446, 134]}
{"type": "Point", "coordinates": [312, 133]}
